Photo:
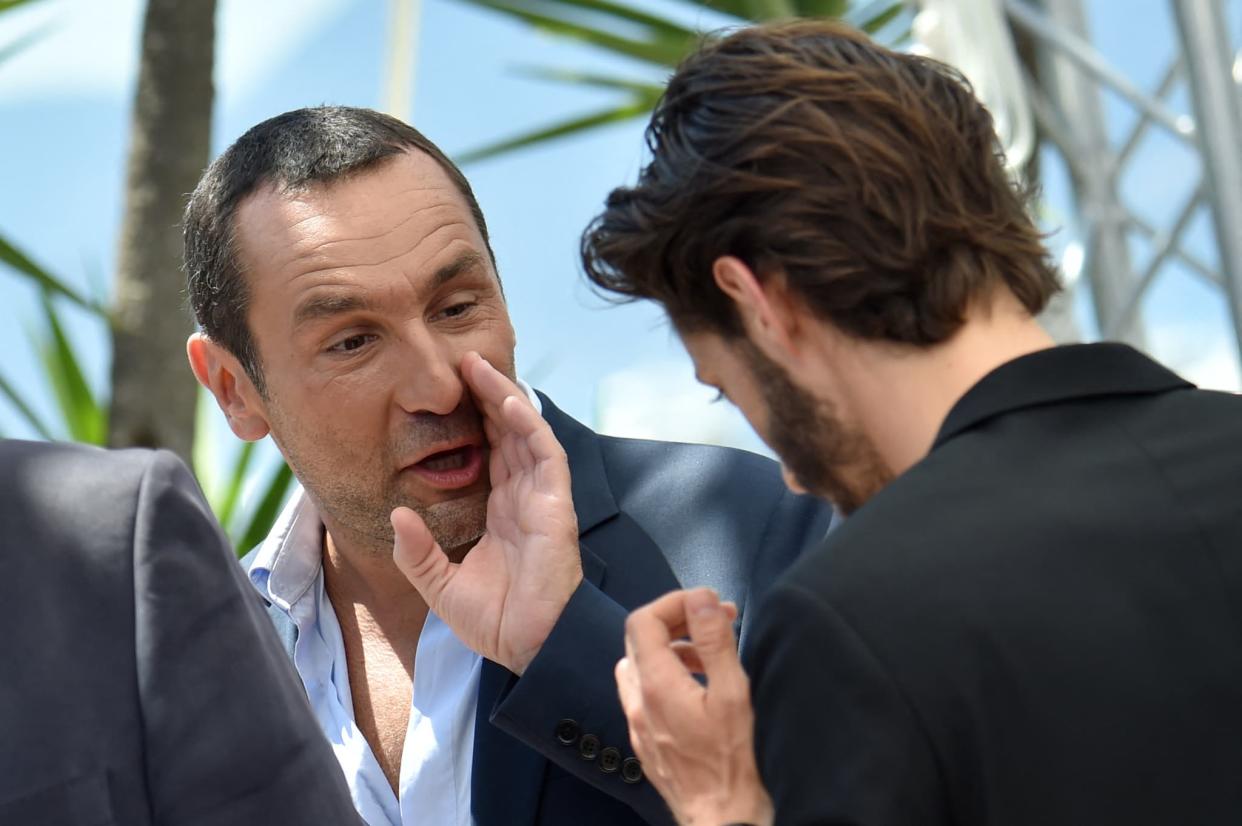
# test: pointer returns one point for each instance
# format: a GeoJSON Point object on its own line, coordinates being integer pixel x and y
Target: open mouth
{"type": "Point", "coordinates": [455, 459]}
{"type": "Point", "coordinates": [454, 468]}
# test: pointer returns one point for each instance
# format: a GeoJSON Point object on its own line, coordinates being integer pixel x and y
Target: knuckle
{"type": "Point", "coordinates": [733, 694]}
{"type": "Point", "coordinates": [649, 695]}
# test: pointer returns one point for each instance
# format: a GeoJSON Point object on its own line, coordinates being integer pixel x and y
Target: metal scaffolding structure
{"type": "Point", "coordinates": [1065, 93]}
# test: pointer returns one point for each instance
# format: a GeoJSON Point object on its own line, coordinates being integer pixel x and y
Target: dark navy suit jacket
{"type": "Point", "coordinates": [552, 747]}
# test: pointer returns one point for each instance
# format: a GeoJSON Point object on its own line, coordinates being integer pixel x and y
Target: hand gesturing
{"type": "Point", "coordinates": [503, 599]}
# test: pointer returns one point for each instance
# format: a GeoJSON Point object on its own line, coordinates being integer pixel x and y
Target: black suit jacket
{"type": "Point", "coordinates": [552, 748]}
{"type": "Point", "coordinates": [142, 683]}
{"type": "Point", "coordinates": [1040, 623]}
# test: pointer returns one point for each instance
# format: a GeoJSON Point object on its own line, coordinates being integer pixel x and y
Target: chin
{"type": "Point", "coordinates": [455, 523]}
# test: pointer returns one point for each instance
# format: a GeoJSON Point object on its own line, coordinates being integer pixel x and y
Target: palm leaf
{"type": "Point", "coordinates": [8, 391]}
{"type": "Point", "coordinates": [231, 493]}
{"type": "Point", "coordinates": [265, 514]}
{"type": "Point", "coordinates": [85, 419]}
{"type": "Point", "coordinates": [822, 8]}
{"type": "Point", "coordinates": [19, 261]}
{"type": "Point", "coordinates": [874, 16]}
{"type": "Point", "coordinates": [8, 5]}
{"type": "Point", "coordinates": [642, 88]}
{"type": "Point", "coordinates": [653, 40]}
{"type": "Point", "coordinates": [627, 111]}
{"type": "Point", "coordinates": [771, 9]}
{"type": "Point", "coordinates": [660, 48]}
{"type": "Point", "coordinates": [11, 48]}
{"type": "Point", "coordinates": [8, 50]}
{"type": "Point", "coordinates": [603, 11]}
{"type": "Point", "coordinates": [741, 9]}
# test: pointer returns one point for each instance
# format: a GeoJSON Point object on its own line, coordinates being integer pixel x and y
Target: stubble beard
{"type": "Point", "coordinates": [827, 458]}
{"type": "Point", "coordinates": [362, 513]}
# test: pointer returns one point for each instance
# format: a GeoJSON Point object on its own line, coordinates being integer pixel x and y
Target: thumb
{"type": "Point", "coordinates": [420, 557]}
{"type": "Point", "coordinates": [711, 630]}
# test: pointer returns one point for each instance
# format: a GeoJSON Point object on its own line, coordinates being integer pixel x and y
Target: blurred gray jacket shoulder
{"type": "Point", "coordinates": [140, 671]}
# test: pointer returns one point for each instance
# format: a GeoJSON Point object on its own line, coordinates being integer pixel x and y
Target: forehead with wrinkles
{"type": "Point", "coordinates": [363, 220]}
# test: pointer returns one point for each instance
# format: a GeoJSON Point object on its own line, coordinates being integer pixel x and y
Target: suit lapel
{"type": "Point", "coordinates": [507, 776]}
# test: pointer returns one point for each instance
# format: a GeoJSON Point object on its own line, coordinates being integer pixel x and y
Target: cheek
{"type": "Point", "coordinates": [337, 415]}
{"type": "Point", "coordinates": [495, 341]}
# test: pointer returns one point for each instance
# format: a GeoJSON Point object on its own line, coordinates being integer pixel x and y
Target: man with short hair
{"type": "Point", "coordinates": [340, 268]}
{"type": "Point", "coordinates": [1032, 614]}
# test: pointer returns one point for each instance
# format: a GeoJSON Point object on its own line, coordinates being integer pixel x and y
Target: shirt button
{"type": "Point", "coordinates": [609, 760]}
{"type": "Point", "coordinates": [631, 770]}
{"type": "Point", "coordinates": [567, 732]}
{"type": "Point", "coordinates": [588, 747]}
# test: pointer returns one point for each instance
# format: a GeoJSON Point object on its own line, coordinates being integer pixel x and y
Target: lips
{"type": "Point", "coordinates": [450, 468]}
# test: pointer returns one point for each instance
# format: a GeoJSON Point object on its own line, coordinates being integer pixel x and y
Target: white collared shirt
{"type": "Point", "coordinates": [438, 755]}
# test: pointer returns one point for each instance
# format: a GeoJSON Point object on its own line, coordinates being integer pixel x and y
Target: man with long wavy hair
{"type": "Point", "coordinates": [1031, 615]}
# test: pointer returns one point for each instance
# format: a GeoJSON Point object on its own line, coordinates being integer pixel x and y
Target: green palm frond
{"type": "Point", "coordinates": [84, 417]}
{"type": "Point", "coordinates": [230, 495]}
{"type": "Point", "coordinates": [9, 5]}
{"type": "Point", "coordinates": [274, 493]}
{"type": "Point", "coordinates": [640, 88]}
{"type": "Point", "coordinates": [872, 17]}
{"type": "Point", "coordinates": [23, 408]}
{"type": "Point", "coordinates": [657, 44]}
{"type": "Point", "coordinates": [22, 263]}
{"type": "Point", "coordinates": [13, 47]}
{"type": "Point", "coordinates": [616, 114]}
{"type": "Point", "coordinates": [663, 44]}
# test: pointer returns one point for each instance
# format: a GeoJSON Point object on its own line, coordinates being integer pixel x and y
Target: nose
{"type": "Point", "coordinates": [429, 380]}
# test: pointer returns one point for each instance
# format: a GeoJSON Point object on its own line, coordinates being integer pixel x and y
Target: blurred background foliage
{"type": "Point", "coordinates": [655, 43]}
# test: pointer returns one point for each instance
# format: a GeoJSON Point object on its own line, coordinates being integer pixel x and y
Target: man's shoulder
{"type": "Point", "coordinates": [72, 464]}
{"type": "Point", "coordinates": [729, 466]}
{"type": "Point", "coordinates": [81, 488]}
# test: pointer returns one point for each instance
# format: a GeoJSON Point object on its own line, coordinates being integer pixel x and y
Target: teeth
{"type": "Point", "coordinates": [449, 461]}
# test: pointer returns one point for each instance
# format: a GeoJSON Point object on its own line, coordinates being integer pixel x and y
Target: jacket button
{"type": "Point", "coordinates": [588, 747]}
{"type": "Point", "coordinates": [631, 770]}
{"type": "Point", "coordinates": [609, 760]}
{"type": "Point", "coordinates": [567, 732]}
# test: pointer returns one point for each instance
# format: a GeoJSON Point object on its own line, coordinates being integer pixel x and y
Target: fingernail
{"type": "Point", "coordinates": [703, 602]}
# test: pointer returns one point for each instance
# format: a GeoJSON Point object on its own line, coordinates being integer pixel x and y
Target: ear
{"type": "Point", "coordinates": [220, 372]}
{"type": "Point", "coordinates": [770, 319]}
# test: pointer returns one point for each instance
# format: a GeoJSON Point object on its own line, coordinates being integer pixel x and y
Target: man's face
{"type": "Point", "coordinates": [821, 452]}
{"type": "Point", "coordinates": [365, 295]}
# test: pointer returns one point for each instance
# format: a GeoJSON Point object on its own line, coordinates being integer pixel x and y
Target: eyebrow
{"type": "Point", "coordinates": [327, 306]}
{"type": "Point", "coordinates": [465, 262]}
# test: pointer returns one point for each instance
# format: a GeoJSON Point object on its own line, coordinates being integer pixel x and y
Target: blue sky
{"type": "Point", "coordinates": [64, 110]}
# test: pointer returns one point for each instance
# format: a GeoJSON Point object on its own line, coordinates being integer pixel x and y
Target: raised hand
{"type": "Point", "coordinates": [696, 742]}
{"type": "Point", "coordinates": [503, 599]}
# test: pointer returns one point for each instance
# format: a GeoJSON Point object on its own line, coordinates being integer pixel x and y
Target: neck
{"type": "Point", "coordinates": [903, 394]}
{"type": "Point", "coordinates": [363, 581]}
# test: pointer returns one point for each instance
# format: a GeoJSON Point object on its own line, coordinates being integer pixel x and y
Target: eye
{"type": "Point", "coordinates": [457, 310]}
{"type": "Point", "coordinates": [354, 342]}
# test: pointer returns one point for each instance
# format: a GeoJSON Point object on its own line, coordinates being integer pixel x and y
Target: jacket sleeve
{"type": "Point", "coordinates": [571, 680]}
{"type": "Point", "coordinates": [836, 738]}
{"type": "Point", "coordinates": [229, 736]}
